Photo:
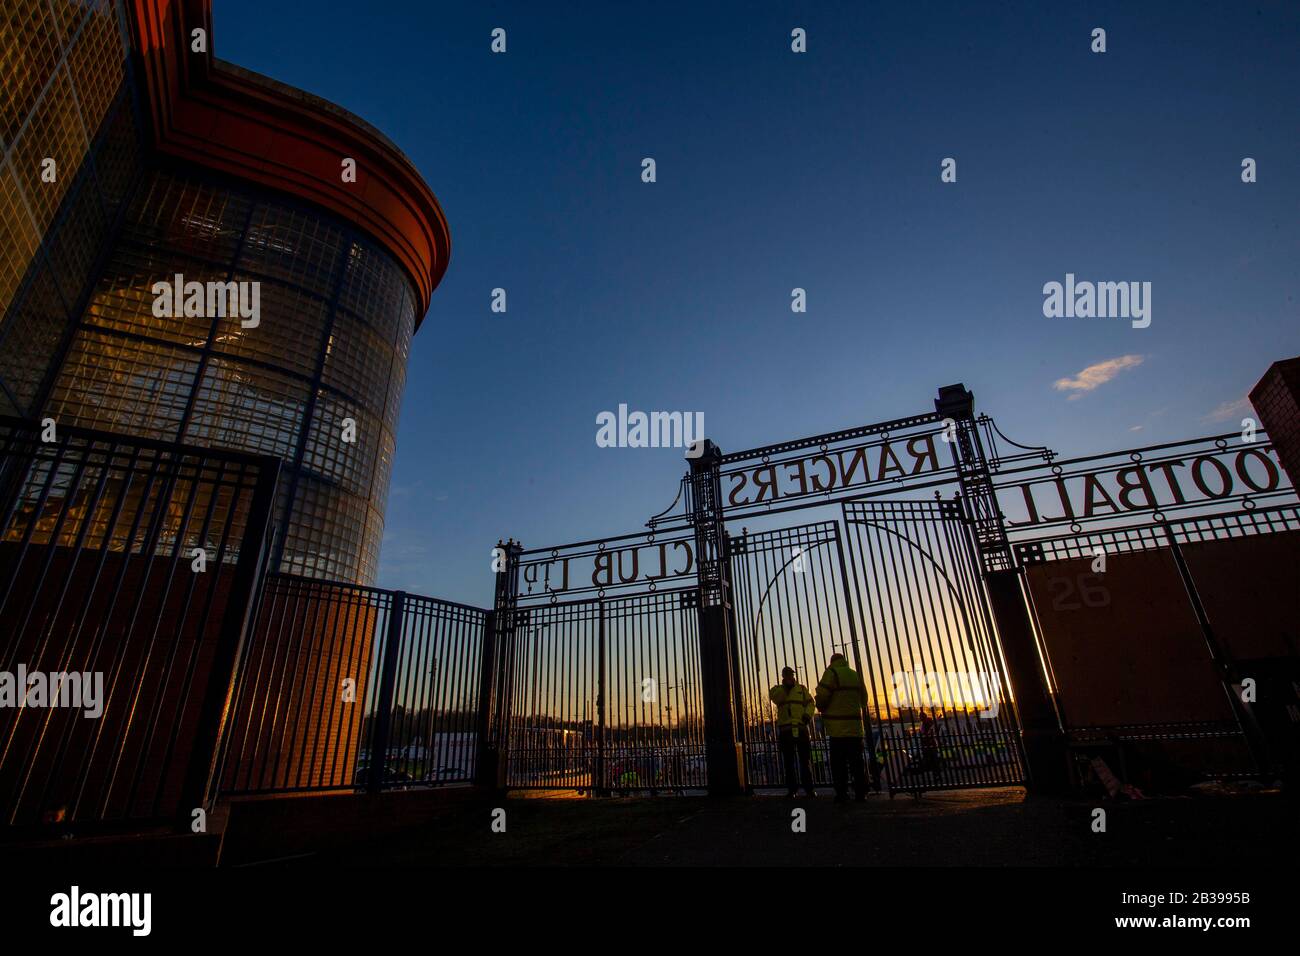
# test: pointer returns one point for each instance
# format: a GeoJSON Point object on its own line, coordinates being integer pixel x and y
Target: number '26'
{"type": "Point", "coordinates": [1091, 592]}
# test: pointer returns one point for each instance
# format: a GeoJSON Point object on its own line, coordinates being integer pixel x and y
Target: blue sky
{"type": "Point", "coordinates": [820, 171]}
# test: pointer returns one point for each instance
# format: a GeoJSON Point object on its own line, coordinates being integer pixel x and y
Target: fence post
{"type": "Point", "coordinates": [598, 764]}
{"type": "Point", "coordinates": [384, 694]}
{"type": "Point", "coordinates": [498, 658]}
{"type": "Point", "coordinates": [209, 732]}
{"type": "Point", "coordinates": [733, 653]}
{"type": "Point", "coordinates": [485, 770]}
{"type": "Point", "coordinates": [722, 750]}
{"type": "Point", "coordinates": [1044, 740]}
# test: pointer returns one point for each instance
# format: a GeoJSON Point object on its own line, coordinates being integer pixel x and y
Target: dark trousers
{"type": "Point", "coordinates": [846, 761]}
{"type": "Point", "coordinates": [796, 755]}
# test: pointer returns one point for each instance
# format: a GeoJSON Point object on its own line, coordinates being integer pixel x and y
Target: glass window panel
{"type": "Point", "coordinates": [293, 245]}
{"type": "Point", "coordinates": [121, 384]}
{"type": "Point", "coordinates": [248, 408]}
{"type": "Point", "coordinates": [77, 240]}
{"type": "Point", "coordinates": [17, 238]}
{"type": "Point", "coordinates": [30, 47]}
{"type": "Point", "coordinates": [124, 298]}
{"type": "Point", "coordinates": [96, 60]}
{"type": "Point", "coordinates": [55, 132]}
{"type": "Point", "coordinates": [190, 219]}
{"type": "Point", "coordinates": [358, 362]}
{"type": "Point", "coordinates": [32, 334]}
{"type": "Point", "coordinates": [350, 464]}
{"type": "Point", "coordinates": [383, 470]}
{"type": "Point", "coordinates": [117, 156]}
{"type": "Point", "coordinates": [291, 325]}
{"type": "Point", "coordinates": [373, 287]}
{"type": "Point", "coordinates": [370, 544]}
{"type": "Point", "coordinates": [325, 532]}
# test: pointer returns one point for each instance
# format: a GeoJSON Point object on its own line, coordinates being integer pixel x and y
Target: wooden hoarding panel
{"type": "Point", "coordinates": [1124, 645]}
{"type": "Point", "coordinates": [1250, 587]}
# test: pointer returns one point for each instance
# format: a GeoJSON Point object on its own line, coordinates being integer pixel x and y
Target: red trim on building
{"type": "Point", "coordinates": [221, 120]}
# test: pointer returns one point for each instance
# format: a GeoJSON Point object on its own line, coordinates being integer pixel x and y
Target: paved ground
{"type": "Point", "coordinates": [1000, 827]}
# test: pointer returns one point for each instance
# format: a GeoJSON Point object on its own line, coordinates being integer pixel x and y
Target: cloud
{"type": "Point", "coordinates": [1096, 375]}
{"type": "Point", "coordinates": [1225, 411]}
{"type": "Point", "coordinates": [401, 491]}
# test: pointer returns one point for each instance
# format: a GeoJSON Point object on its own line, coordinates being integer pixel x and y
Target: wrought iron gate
{"type": "Point", "coordinates": [940, 703]}
{"type": "Point", "coordinates": [790, 610]}
{"type": "Point", "coordinates": [605, 695]}
{"type": "Point", "coordinates": [604, 692]}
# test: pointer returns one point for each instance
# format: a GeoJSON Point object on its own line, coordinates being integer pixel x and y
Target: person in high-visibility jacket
{"type": "Point", "coordinates": [841, 695]}
{"type": "Point", "coordinates": [794, 713]}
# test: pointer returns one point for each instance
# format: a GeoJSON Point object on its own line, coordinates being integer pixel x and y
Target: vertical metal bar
{"type": "Point", "coordinates": [505, 606]}
{"type": "Point", "coordinates": [286, 696]}
{"type": "Point", "coordinates": [90, 589]}
{"type": "Point", "coordinates": [362, 617]}
{"type": "Point", "coordinates": [1223, 667]}
{"type": "Point", "coordinates": [151, 547]}
{"type": "Point", "coordinates": [313, 649]}
{"type": "Point", "coordinates": [406, 681]}
{"type": "Point", "coordinates": [422, 718]}
{"type": "Point", "coordinates": [242, 705]}
{"type": "Point", "coordinates": [1006, 723]}
{"type": "Point", "coordinates": [444, 685]}
{"type": "Point", "coordinates": [484, 770]}
{"type": "Point", "coordinates": [384, 696]}
{"type": "Point", "coordinates": [200, 776]}
{"type": "Point", "coordinates": [934, 636]}
{"type": "Point", "coordinates": [460, 700]}
{"type": "Point", "coordinates": [200, 627]}
{"type": "Point", "coordinates": [38, 508]}
{"type": "Point", "coordinates": [268, 771]}
{"type": "Point", "coordinates": [741, 602]}
{"type": "Point", "coordinates": [598, 772]}
{"type": "Point", "coordinates": [64, 656]}
{"type": "Point", "coordinates": [868, 677]}
{"type": "Point", "coordinates": [329, 689]}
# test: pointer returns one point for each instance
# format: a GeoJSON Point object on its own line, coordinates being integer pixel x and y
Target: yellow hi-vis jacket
{"type": "Point", "coordinates": [841, 695]}
{"type": "Point", "coordinates": [794, 706]}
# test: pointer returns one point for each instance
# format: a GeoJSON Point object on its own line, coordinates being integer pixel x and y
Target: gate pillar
{"type": "Point", "coordinates": [716, 631]}
{"type": "Point", "coordinates": [1044, 740]}
{"type": "Point", "coordinates": [497, 666]}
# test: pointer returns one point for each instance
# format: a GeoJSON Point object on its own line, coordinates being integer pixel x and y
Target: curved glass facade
{"type": "Point", "coordinates": [129, 166]}
{"type": "Point", "coordinates": [336, 318]}
{"type": "Point", "coordinates": [63, 64]}
{"type": "Point", "coordinates": [79, 340]}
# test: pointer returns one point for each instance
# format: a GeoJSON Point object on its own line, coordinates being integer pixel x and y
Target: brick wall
{"type": "Point", "coordinates": [1277, 401]}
